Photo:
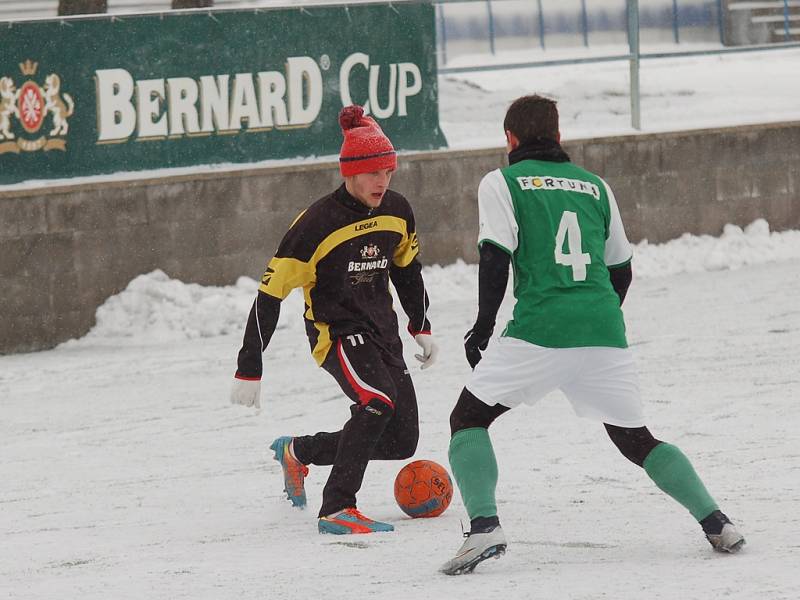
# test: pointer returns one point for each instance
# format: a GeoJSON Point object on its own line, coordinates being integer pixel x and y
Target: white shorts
{"type": "Point", "coordinates": [600, 383]}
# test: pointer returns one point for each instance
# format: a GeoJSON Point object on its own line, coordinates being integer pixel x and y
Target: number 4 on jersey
{"type": "Point", "coordinates": [568, 228]}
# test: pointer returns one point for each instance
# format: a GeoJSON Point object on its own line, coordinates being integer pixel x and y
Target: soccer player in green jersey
{"type": "Point", "coordinates": [559, 227]}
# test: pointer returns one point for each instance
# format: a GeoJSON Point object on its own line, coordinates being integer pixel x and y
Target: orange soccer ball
{"type": "Point", "coordinates": [423, 489]}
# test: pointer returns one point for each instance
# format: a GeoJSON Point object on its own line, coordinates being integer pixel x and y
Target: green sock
{"type": "Point", "coordinates": [475, 470]}
{"type": "Point", "coordinates": [672, 472]}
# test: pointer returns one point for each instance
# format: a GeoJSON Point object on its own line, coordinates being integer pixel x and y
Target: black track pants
{"type": "Point", "coordinates": [384, 424]}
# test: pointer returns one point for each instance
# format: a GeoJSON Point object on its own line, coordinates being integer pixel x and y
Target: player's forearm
{"type": "Point", "coordinates": [621, 278]}
{"type": "Point", "coordinates": [414, 299]}
{"type": "Point", "coordinates": [261, 324]}
{"type": "Point", "coordinates": [492, 281]}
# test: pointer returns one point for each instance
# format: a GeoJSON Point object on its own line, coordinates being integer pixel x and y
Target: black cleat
{"type": "Point", "coordinates": [721, 533]}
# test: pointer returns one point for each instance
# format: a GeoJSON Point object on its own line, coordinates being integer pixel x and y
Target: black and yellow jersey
{"type": "Point", "coordinates": [343, 255]}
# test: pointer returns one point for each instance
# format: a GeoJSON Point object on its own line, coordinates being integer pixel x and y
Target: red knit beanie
{"type": "Point", "coordinates": [365, 148]}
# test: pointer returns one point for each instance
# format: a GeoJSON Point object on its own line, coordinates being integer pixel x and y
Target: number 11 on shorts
{"type": "Point", "coordinates": [575, 258]}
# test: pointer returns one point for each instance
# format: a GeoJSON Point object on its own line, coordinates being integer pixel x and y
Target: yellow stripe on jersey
{"type": "Point", "coordinates": [406, 250]}
{"type": "Point", "coordinates": [309, 314]}
{"type": "Point", "coordinates": [285, 274]}
{"type": "Point", "coordinates": [354, 230]}
{"type": "Point", "coordinates": [323, 345]}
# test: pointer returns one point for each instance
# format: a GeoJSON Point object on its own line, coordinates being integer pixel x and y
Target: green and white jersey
{"type": "Point", "coordinates": [562, 227]}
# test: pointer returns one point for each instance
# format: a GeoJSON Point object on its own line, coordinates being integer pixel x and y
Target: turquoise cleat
{"type": "Point", "coordinates": [350, 521]}
{"type": "Point", "coordinates": [294, 472]}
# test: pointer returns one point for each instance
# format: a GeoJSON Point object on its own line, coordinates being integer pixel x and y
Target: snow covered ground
{"type": "Point", "coordinates": [694, 92]}
{"type": "Point", "coordinates": [127, 475]}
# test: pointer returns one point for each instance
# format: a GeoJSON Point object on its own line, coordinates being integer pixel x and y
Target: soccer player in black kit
{"type": "Point", "coordinates": [343, 251]}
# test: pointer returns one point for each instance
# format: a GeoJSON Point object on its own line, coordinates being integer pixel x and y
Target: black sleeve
{"type": "Point", "coordinates": [413, 297]}
{"type": "Point", "coordinates": [621, 280]}
{"type": "Point", "coordinates": [492, 281]}
{"type": "Point", "coordinates": [261, 325]}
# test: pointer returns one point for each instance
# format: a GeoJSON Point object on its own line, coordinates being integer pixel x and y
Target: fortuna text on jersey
{"type": "Point", "coordinates": [543, 182]}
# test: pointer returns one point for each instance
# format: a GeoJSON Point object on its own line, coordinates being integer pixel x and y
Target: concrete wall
{"type": "Point", "coordinates": [64, 250]}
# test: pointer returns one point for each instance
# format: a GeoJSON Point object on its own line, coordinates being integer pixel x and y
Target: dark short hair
{"type": "Point", "coordinates": [531, 117]}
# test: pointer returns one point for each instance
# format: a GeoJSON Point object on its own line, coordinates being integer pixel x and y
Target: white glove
{"type": "Point", "coordinates": [246, 392]}
{"type": "Point", "coordinates": [430, 350]}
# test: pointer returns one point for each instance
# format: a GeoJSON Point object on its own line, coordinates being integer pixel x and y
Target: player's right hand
{"type": "Point", "coordinates": [475, 342]}
{"type": "Point", "coordinates": [246, 392]}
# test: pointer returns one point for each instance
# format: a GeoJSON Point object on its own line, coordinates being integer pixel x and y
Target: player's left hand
{"type": "Point", "coordinates": [246, 392]}
{"type": "Point", "coordinates": [430, 349]}
{"type": "Point", "coordinates": [475, 342]}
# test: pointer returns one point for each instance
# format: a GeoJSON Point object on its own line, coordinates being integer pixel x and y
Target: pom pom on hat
{"type": "Point", "coordinates": [365, 148]}
{"type": "Point", "coordinates": [350, 116]}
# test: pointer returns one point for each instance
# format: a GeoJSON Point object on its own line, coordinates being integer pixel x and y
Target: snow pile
{"type": "Point", "coordinates": [451, 283]}
{"type": "Point", "coordinates": [156, 308]}
{"type": "Point", "coordinates": [735, 248]}
{"type": "Point", "coordinates": [162, 309]}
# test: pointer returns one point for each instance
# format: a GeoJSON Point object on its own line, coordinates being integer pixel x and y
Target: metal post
{"type": "Point", "coordinates": [443, 33]}
{"type": "Point", "coordinates": [786, 20]}
{"type": "Point", "coordinates": [720, 23]}
{"type": "Point", "coordinates": [541, 23]}
{"type": "Point", "coordinates": [675, 26]}
{"type": "Point", "coordinates": [633, 44]}
{"type": "Point", "coordinates": [491, 25]}
{"type": "Point", "coordinates": [585, 23]}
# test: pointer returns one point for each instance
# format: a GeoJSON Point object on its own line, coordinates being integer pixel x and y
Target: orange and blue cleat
{"type": "Point", "coordinates": [294, 472]}
{"type": "Point", "coordinates": [349, 521]}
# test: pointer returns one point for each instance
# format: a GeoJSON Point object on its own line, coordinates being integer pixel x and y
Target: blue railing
{"type": "Point", "coordinates": [551, 19]}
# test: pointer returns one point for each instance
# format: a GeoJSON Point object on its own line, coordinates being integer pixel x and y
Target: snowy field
{"type": "Point", "coordinates": [127, 475]}
{"type": "Point", "coordinates": [594, 99]}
